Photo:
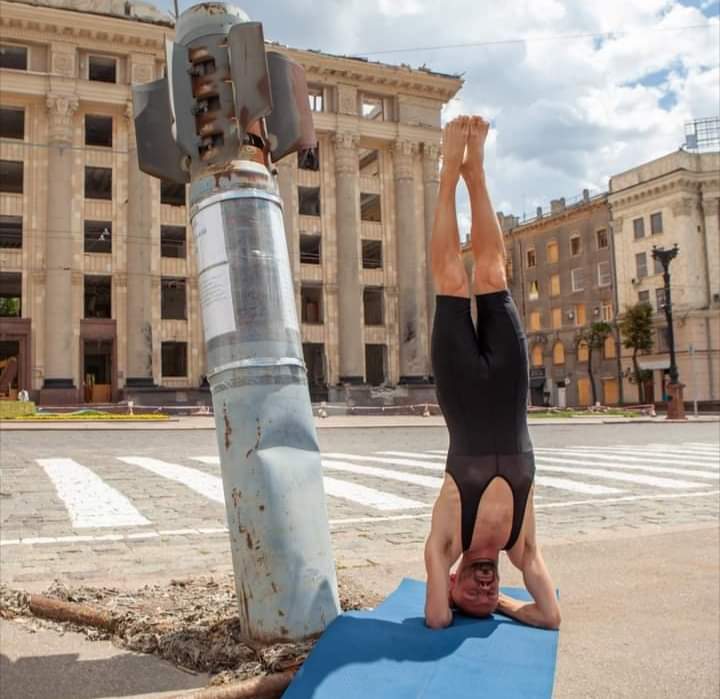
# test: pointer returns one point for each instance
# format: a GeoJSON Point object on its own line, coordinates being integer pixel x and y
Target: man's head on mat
{"type": "Point", "coordinates": [474, 587]}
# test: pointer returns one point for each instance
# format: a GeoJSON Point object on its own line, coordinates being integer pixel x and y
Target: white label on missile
{"type": "Point", "coordinates": [209, 237]}
{"type": "Point", "coordinates": [218, 310]}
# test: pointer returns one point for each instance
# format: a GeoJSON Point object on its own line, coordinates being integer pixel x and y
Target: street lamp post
{"type": "Point", "coordinates": [676, 406]}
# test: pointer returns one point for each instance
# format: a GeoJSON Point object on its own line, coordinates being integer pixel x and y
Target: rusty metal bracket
{"type": "Point", "coordinates": [290, 127]}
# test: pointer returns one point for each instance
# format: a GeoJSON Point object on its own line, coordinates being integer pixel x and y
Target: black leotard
{"type": "Point", "coordinates": [481, 379]}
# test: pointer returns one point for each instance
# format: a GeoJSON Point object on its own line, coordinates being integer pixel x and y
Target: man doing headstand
{"type": "Point", "coordinates": [485, 504]}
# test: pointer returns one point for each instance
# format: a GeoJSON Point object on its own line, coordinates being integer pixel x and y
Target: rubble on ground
{"type": "Point", "coordinates": [192, 623]}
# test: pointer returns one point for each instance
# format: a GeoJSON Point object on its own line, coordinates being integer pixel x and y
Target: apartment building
{"type": "Point", "coordinates": [560, 272]}
{"type": "Point", "coordinates": [98, 281]}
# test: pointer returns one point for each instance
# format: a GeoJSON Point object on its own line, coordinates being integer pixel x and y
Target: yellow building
{"type": "Point", "coordinates": [98, 288]}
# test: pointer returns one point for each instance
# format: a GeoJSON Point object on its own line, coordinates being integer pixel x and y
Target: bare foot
{"type": "Point", "coordinates": [453, 147]}
{"type": "Point", "coordinates": [472, 166]}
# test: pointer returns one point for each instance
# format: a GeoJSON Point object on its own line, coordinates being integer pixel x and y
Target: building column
{"type": "Point", "coordinates": [60, 350]}
{"type": "Point", "coordinates": [347, 204]}
{"type": "Point", "coordinates": [139, 271]}
{"type": "Point", "coordinates": [431, 183]}
{"type": "Point", "coordinates": [413, 352]}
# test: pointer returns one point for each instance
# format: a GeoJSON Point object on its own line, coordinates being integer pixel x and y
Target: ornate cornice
{"type": "Point", "coordinates": [61, 109]}
{"type": "Point", "coordinates": [404, 158]}
{"type": "Point", "coordinates": [642, 193]}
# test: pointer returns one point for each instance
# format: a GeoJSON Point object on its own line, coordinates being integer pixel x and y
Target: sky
{"type": "Point", "coordinates": [567, 111]}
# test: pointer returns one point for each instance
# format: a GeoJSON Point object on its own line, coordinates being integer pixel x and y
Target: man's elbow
{"type": "Point", "coordinates": [438, 621]}
{"type": "Point", "coordinates": [552, 622]}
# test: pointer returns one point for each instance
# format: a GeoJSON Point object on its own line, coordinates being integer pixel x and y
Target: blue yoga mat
{"type": "Point", "coordinates": [389, 653]}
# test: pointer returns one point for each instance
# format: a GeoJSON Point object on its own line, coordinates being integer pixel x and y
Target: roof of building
{"type": "Point", "coordinates": [139, 11]}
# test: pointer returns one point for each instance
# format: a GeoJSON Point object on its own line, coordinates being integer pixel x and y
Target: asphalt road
{"type": "Point", "coordinates": [627, 515]}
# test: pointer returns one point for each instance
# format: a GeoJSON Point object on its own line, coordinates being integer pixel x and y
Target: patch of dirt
{"type": "Point", "coordinates": [191, 623]}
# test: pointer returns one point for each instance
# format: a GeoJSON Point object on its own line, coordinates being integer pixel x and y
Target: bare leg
{"type": "Point", "coordinates": [447, 266]}
{"type": "Point", "coordinates": [486, 235]}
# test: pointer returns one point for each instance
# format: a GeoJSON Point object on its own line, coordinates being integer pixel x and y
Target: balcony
{"type": "Point", "coordinates": [99, 157]}
{"type": "Point", "coordinates": [174, 331]}
{"type": "Point", "coordinates": [308, 178]}
{"type": "Point", "coordinates": [370, 184]}
{"type": "Point", "coordinates": [376, 334]}
{"type": "Point", "coordinates": [311, 273]}
{"type": "Point", "coordinates": [173, 267]}
{"type": "Point", "coordinates": [372, 277]}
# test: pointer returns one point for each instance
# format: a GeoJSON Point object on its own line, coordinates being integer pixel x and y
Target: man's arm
{"type": "Point", "coordinates": [544, 611]}
{"type": "Point", "coordinates": [438, 614]}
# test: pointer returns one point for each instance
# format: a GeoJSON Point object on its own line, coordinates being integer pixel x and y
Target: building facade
{"type": "Point", "coordinates": [672, 200]}
{"type": "Point", "coordinates": [560, 272]}
{"type": "Point", "coordinates": [98, 288]}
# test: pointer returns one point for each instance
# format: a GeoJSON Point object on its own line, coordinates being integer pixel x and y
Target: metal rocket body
{"type": "Point", "coordinates": [223, 114]}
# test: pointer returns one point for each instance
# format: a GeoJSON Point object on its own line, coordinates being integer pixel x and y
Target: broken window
{"type": "Point", "coordinates": [11, 233]}
{"type": "Point", "coordinates": [372, 107]}
{"type": "Point", "coordinates": [575, 245]}
{"type": "Point", "coordinates": [372, 254]}
{"type": "Point", "coordinates": [316, 98]}
{"type": "Point", "coordinates": [373, 305]}
{"type": "Point", "coordinates": [98, 294]}
{"type": "Point", "coordinates": [98, 130]}
{"type": "Point", "coordinates": [173, 298]}
{"type": "Point", "coordinates": [370, 208]}
{"type": "Point", "coordinates": [309, 159]}
{"type": "Point", "coordinates": [309, 201]}
{"type": "Point", "coordinates": [98, 182]}
{"type": "Point", "coordinates": [102, 69]}
{"type": "Point", "coordinates": [10, 294]}
{"type": "Point", "coordinates": [174, 359]}
{"type": "Point", "coordinates": [314, 355]}
{"type": "Point", "coordinates": [11, 176]}
{"type": "Point", "coordinates": [311, 304]}
{"type": "Point", "coordinates": [173, 241]}
{"type": "Point", "coordinates": [14, 57]}
{"type": "Point", "coordinates": [12, 123]}
{"type": "Point", "coordinates": [172, 193]}
{"type": "Point", "coordinates": [375, 361]}
{"type": "Point", "coordinates": [98, 236]}
{"type": "Point", "coordinates": [309, 249]}
{"type": "Point", "coordinates": [369, 161]}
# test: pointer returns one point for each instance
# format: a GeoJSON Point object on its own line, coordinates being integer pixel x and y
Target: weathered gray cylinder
{"type": "Point", "coordinates": [269, 455]}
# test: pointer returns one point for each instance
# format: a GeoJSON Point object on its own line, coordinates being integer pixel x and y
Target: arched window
{"type": "Point", "coordinates": [537, 355]}
{"type": "Point", "coordinates": [583, 351]}
{"type": "Point", "coordinates": [558, 353]}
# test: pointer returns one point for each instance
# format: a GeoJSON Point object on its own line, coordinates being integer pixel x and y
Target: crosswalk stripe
{"type": "Point", "coordinates": [673, 483]}
{"type": "Point", "coordinates": [90, 501]}
{"type": "Point", "coordinates": [387, 460]}
{"type": "Point", "coordinates": [575, 486]}
{"type": "Point", "coordinates": [600, 460]}
{"type": "Point", "coordinates": [368, 496]}
{"type": "Point", "coordinates": [708, 449]}
{"type": "Point", "coordinates": [409, 454]}
{"type": "Point", "coordinates": [193, 478]}
{"type": "Point", "coordinates": [402, 476]}
{"type": "Point", "coordinates": [360, 494]}
{"type": "Point", "coordinates": [660, 456]}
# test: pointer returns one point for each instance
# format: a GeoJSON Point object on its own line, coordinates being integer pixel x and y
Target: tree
{"type": "Point", "coordinates": [636, 328]}
{"type": "Point", "coordinates": [594, 336]}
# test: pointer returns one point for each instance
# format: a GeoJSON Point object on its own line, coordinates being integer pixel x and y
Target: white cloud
{"type": "Point", "coordinates": [567, 112]}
